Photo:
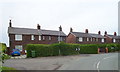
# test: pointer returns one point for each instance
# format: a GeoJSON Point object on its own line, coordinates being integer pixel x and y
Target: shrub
{"type": "Point", "coordinates": [88, 49]}
{"type": "Point", "coordinates": [42, 50]}
{"type": "Point", "coordinates": [112, 47]}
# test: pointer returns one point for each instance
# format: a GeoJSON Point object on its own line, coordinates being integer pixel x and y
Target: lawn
{"type": "Point", "coordinates": [8, 69]}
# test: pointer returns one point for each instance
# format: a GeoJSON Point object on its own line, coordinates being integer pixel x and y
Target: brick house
{"type": "Point", "coordinates": [19, 37]}
{"type": "Point", "coordinates": [112, 38]}
{"type": "Point", "coordinates": [84, 38]}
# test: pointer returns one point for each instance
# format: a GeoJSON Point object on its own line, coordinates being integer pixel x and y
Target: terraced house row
{"type": "Point", "coordinates": [19, 37]}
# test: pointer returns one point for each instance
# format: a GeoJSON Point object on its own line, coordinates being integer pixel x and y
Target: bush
{"type": "Point", "coordinates": [3, 47]}
{"type": "Point", "coordinates": [88, 49]}
{"type": "Point", "coordinates": [42, 50]}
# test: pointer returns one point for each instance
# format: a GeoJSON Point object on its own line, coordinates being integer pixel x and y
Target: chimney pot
{"type": "Point", "coordinates": [99, 32]}
{"type": "Point", "coordinates": [115, 33]}
{"type": "Point", "coordinates": [60, 28]}
{"type": "Point", "coordinates": [38, 26]}
{"type": "Point", "coordinates": [86, 31]}
{"type": "Point", "coordinates": [10, 23]}
{"type": "Point", "coordinates": [71, 30]}
{"type": "Point", "coordinates": [105, 32]}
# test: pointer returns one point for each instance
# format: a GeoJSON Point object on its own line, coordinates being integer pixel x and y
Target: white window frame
{"type": "Point", "coordinates": [43, 37]}
{"type": "Point", "coordinates": [87, 39]}
{"type": "Point", "coordinates": [80, 39]}
{"type": "Point", "coordinates": [114, 40]}
{"type": "Point", "coordinates": [58, 38]}
{"type": "Point", "coordinates": [32, 37]}
{"type": "Point", "coordinates": [49, 37]}
{"type": "Point", "coordinates": [97, 39]}
{"type": "Point", "coordinates": [20, 47]}
{"type": "Point", "coordinates": [91, 39]}
{"type": "Point", "coordinates": [102, 40]}
{"type": "Point", "coordinates": [18, 37]}
{"type": "Point", "coordinates": [61, 39]}
{"type": "Point", "coordinates": [40, 38]}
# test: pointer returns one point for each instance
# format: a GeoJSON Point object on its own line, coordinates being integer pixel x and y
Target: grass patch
{"type": "Point", "coordinates": [8, 69]}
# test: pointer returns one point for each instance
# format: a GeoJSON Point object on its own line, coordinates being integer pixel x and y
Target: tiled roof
{"type": "Point", "coordinates": [80, 34]}
{"type": "Point", "coordinates": [15, 30]}
{"type": "Point", "coordinates": [115, 37]}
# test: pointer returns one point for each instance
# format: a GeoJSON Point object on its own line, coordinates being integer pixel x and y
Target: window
{"type": "Point", "coordinates": [58, 38]}
{"type": "Point", "coordinates": [43, 37]}
{"type": "Point", "coordinates": [87, 39]}
{"type": "Point", "coordinates": [32, 37]}
{"type": "Point", "coordinates": [18, 37]}
{"type": "Point", "coordinates": [96, 39]}
{"type": "Point", "coordinates": [102, 40]}
{"type": "Point", "coordinates": [19, 47]}
{"type": "Point", "coordinates": [91, 39]}
{"type": "Point", "coordinates": [49, 37]}
{"type": "Point", "coordinates": [61, 39]}
{"type": "Point", "coordinates": [114, 40]}
{"type": "Point", "coordinates": [39, 37]}
{"type": "Point", "coordinates": [80, 39]}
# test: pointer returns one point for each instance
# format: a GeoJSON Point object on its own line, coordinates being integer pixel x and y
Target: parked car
{"type": "Point", "coordinates": [15, 52]}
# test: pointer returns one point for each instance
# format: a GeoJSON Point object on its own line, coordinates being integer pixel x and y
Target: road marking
{"type": "Point", "coordinates": [101, 60]}
{"type": "Point", "coordinates": [98, 65]}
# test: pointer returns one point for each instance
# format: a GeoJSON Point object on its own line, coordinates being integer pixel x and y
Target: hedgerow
{"type": "Point", "coordinates": [43, 50]}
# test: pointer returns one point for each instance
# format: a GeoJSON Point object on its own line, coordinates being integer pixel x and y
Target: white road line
{"type": "Point", "coordinates": [98, 65]}
{"type": "Point", "coordinates": [101, 60]}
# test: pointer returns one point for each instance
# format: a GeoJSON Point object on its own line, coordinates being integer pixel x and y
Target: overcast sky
{"type": "Point", "coordinates": [93, 15]}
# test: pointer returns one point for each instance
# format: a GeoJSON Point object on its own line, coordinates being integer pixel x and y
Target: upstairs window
{"type": "Point", "coordinates": [97, 39]}
{"type": "Point", "coordinates": [102, 40]}
{"type": "Point", "coordinates": [18, 37]}
{"type": "Point", "coordinates": [32, 37]}
{"type": "Point", "coordinates": [60, 38]}
{"type": "Point", "coordinates": [91, 39]}
{"type": "Point", "coordinates": [114, 40]}
{"type": "Point", "coordinates": [43, 38]}
{"type": "Point", "coordinates": [39, 37]}
{"type": "Point", "coordinates": [80, 39]}
{"type": "Point", "coordinates": [87, 39]}
{"type": "Point", "coordinates": [49, 37]}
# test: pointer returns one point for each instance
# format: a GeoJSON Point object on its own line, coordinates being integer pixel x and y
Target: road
{"type": "Point", "coordinates": [106, 61]}
{"type": "Point", "coordinates": [98, 62]}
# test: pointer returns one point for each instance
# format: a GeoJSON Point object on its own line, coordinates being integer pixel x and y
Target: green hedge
{"type": "Point", "coordinates": [89, 49]}
{"type": "Point", "coordinates": [42, 50]}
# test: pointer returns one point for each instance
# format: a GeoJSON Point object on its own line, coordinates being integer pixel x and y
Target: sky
{"type": "Point", "coordinates": [94, 15]}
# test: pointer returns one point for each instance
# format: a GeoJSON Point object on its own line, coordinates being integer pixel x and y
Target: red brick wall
{"type": "Point", "coordinates": [26, 39]}
{"type": "Point", "coordinates": [71, 39]}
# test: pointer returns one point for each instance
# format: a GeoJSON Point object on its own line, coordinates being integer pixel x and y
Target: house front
{"type": "Point", "coordinates": [85, 37]}
{"type": "Point", "coordinates": [19, 37]}
{"type": "Point", "coordinates": [112, 38]}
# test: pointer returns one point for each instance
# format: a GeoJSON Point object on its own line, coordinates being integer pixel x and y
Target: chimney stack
{"type": "Point", "coordinates": [86, 31]}
{"type": "Point", "coordinates": [99, 32]}
{"type": "Point", "coordinates": [105, 32]}
{"type": "Point", "coordinates": [10, 23]}
{"type": "Point", "coordinates": [115, 33]}
{"type": "Point", "coordinates": [71, 30]}
{"type": "Point", "coordinates": [60, 28]}
{"type": "Point", "coordinates": [38, 26]}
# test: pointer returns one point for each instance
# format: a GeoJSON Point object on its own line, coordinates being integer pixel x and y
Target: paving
{"type": "Point", "coordinates": [18, 57]}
